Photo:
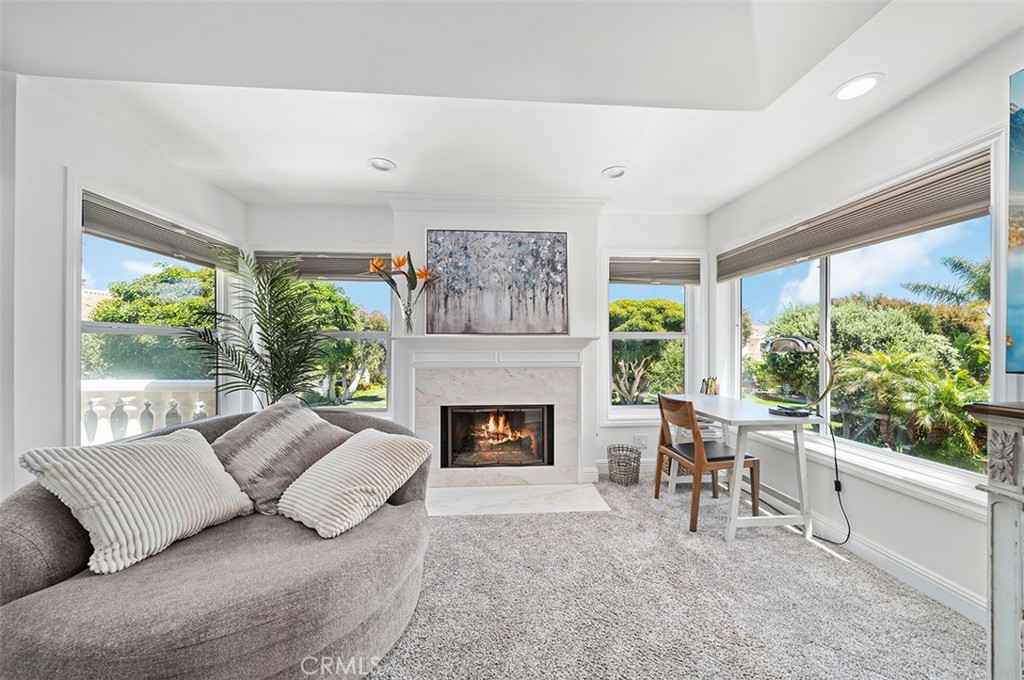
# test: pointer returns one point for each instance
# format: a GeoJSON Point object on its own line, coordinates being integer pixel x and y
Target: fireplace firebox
{"type": "Point", "coordinates": [489, 436]}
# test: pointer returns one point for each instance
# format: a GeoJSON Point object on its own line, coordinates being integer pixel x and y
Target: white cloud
{"type": "Point", "coordinates": [800, 291]}
{"type": "Point", "coordinates": [871, 270]}
{"type": "Point", "coordinates": [86, 279]}
{"type": "Point", "coordinates": [139, 267]}
{"type": "Point", "coordinates": [876, 268]}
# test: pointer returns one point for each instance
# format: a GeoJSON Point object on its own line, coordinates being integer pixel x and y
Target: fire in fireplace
{"type": "Point", "coordinates": [479, 436]}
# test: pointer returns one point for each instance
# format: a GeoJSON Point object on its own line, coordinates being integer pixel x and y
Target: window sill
{"type": "Point", "coordinates": [948, 488]}
{"type": "Point", "coordinates": [631, 416]}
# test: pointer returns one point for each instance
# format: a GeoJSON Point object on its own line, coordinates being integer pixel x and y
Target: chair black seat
{"type": "Point", "coordinates": [714, 451]}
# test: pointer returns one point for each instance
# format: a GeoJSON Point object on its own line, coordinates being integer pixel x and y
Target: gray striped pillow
{"type": "Point", "coordinates": [345, 487]}
{"type": "Point", "coordinates": [137, 498]}
{"type": "Point", "coordinates": [268, 451]}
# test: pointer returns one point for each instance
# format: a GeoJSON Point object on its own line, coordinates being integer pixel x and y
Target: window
{"type": "Point", "coordinates": [354, 310]}
{"type": "Point", "coordinates": [904, 273]}
{"type": "Point", "coordinates": [136, 374]}
{"type": "Point", "coordinates": [647, 332]}
{"type": "Point", "coordinates": [647, 327]}
{"type": "Point", "coordinates": [780, 302]}
{"type": "Point", "coordinates": [909, 335]}
{"type": "Point", "coordinates": [910, 339]}
{"type": "Point", "coordinates": [356, 317]}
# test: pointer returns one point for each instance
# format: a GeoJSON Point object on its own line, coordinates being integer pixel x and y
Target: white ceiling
{"type": "Point", "coordinates": [288, 137]}
{"type": "Point", "coordinates": [706, 55]}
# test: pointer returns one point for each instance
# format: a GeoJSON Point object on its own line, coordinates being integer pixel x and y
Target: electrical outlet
{"type": "Point", "coordinates": [640, 441]}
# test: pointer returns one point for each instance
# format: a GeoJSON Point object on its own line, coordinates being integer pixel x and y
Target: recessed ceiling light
{"type": "Point", "coordinates": [655, 260]}
{"type": "Point", "coordinates": [857, 87]}
{"type": "Point", "coordinates": [614, 172]}
{"type": "Point", "coordinates": [382, 164]}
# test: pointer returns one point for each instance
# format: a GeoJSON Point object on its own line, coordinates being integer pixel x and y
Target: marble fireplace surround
{"type": "Point", "coordinates": [493, 371]}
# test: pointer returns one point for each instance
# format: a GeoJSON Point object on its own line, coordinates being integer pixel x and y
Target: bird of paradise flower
{"type": "Point", "coordinates": [416, 281]}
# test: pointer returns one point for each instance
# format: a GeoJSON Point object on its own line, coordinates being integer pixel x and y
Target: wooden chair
{"type": "Point", "coordinates": [698, 457]}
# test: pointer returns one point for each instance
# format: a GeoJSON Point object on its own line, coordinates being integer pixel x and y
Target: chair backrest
{"type": "Point", "coordinates": [681, 414]}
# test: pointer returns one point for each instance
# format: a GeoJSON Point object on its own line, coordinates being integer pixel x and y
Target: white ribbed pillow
{"type": "Point", "coordinates": [344, 487]}
{"type": "Point", "coordinates": [137, 498]}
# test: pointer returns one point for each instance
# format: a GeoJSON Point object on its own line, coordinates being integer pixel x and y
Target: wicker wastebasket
{"type": "Point", "coordinates": [624, 464]}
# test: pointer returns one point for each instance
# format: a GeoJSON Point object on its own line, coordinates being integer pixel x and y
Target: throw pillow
{"type": "Point", "coordinates": [345, 487]}
{"type": "Point", "coordinates": [269, 450]}
{"type": "Point", "coordinates": [137, 498]}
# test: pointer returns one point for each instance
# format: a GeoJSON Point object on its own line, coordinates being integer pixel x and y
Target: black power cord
{"type": "Point", "coordinates": [839, 491]}
{"type": "Point", "coordinates": [839, 494]}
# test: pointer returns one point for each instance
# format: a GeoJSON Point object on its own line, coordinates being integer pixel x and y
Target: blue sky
{"type": "Point", "coordinates": [632, 291]}
{"type": "Point", "coordinates": [104, 262]}
{"type": "Point", "coordinates": [878, 269]}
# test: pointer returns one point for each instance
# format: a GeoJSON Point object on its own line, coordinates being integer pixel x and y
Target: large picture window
{"type": "Point", "coordinates": [908, 332]}
{"type": "Point", "coordinates": [136, 374]}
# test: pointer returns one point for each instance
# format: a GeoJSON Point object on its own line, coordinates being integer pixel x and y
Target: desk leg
{"type": "Point", "coordinates": [735, 486]}
{"type": "Point", "coordinates": [801, 478]}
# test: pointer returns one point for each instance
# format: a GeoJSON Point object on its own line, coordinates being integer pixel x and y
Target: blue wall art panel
{"type": "Point", "coordinates": [1015, 271]}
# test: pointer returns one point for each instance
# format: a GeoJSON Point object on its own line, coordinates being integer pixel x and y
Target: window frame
{"type": "Point", "coordinates": [74, 326]}
{"type": "Point", "coordinates": [383, 337]}
{"type": "Point", "coordinates": [696, 335]}
{"type": "Point", "coordinates": [853, 447]}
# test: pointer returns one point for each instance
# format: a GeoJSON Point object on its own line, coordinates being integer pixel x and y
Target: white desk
{"type": "Point", "coordinates": [747, 416]}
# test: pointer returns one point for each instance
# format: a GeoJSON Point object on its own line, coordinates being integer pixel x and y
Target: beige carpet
{"type": "Point", "coordinates": [631, 594]}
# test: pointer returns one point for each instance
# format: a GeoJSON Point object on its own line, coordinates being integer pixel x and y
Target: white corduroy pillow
{"type": "Point", "coordinates": [137, 498]}
{"type": "Point", "coordinates": [348, 484]}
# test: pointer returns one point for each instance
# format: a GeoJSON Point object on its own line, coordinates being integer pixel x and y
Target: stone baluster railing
{"type": "Point", "coordinates": [1005, 489]}
{"type": "Point", "coordinates": [114, 409]}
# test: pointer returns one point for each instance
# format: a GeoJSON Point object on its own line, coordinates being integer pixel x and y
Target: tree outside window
{"type": "Point", "coordinates": [647, 325]}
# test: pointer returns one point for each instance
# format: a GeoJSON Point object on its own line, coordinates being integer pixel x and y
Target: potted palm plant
{"type": "Point", "coordinates": [275, 347]}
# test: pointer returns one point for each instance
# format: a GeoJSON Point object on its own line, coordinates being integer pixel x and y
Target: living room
{"type": "Point", "coordinates": [641, 159]}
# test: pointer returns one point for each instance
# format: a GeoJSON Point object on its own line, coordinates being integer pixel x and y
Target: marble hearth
{"type": "Point", "coordinates": [490, 372]}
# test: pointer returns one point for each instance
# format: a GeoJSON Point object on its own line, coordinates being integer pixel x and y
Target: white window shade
{"type": "Point", "coordinates": [646, 270]}
{"type": "Point", "coordinates": [955, 193]}
{"type": "Point", "coordinates": [334, 266]}
{"type": "Point", "coordinates": [118, 222]}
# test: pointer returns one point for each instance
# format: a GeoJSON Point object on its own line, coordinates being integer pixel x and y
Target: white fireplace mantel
{"type": "Point", "coordinates": [421, 351]}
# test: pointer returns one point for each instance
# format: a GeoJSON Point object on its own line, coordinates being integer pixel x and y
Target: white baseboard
{"type": "Point", "coordinates": [939, 588]}
{"type": "Point", "coordinates": [589, 475]}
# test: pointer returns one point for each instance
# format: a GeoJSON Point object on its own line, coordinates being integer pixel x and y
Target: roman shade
{"type": "Point", "coordinates": [118, 222]}
{"type": "Point", "coordinates": [954, 193]}
{"type": "Point", "coordinates": [339, 266]}
{"type": "Point", "coordinates": [666, 271]}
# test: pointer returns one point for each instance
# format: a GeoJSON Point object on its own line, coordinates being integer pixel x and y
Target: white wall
{"type": "Point", "coordinates": [922, 536]}
{"type": "Point", "coordinates": [51, 136]}
{"type": "Point", "coordinates": [332, 228]}
{"type": "Point", "coordinates": [8, 92]}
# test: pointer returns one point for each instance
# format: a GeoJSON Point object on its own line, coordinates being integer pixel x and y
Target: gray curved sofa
{"type": "Point", "coordinates": [256, 597]}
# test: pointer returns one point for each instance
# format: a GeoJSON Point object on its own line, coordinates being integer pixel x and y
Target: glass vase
{"type": "Point", "coordinates": [407, 314]}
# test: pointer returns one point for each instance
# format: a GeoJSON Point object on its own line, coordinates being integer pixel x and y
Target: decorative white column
{"type": "Point", "coordinates": [1005, 488]}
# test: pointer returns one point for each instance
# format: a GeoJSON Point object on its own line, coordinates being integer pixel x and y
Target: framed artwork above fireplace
{"type": "Point", "coordinates": [498, 282]}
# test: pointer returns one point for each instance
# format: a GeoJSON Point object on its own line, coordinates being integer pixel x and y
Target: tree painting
{"type": "Point", "coordinates": [501, 282]}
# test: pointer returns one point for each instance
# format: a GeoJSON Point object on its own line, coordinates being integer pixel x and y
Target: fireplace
{"type": "Point", "coordinates": [491, 436]}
